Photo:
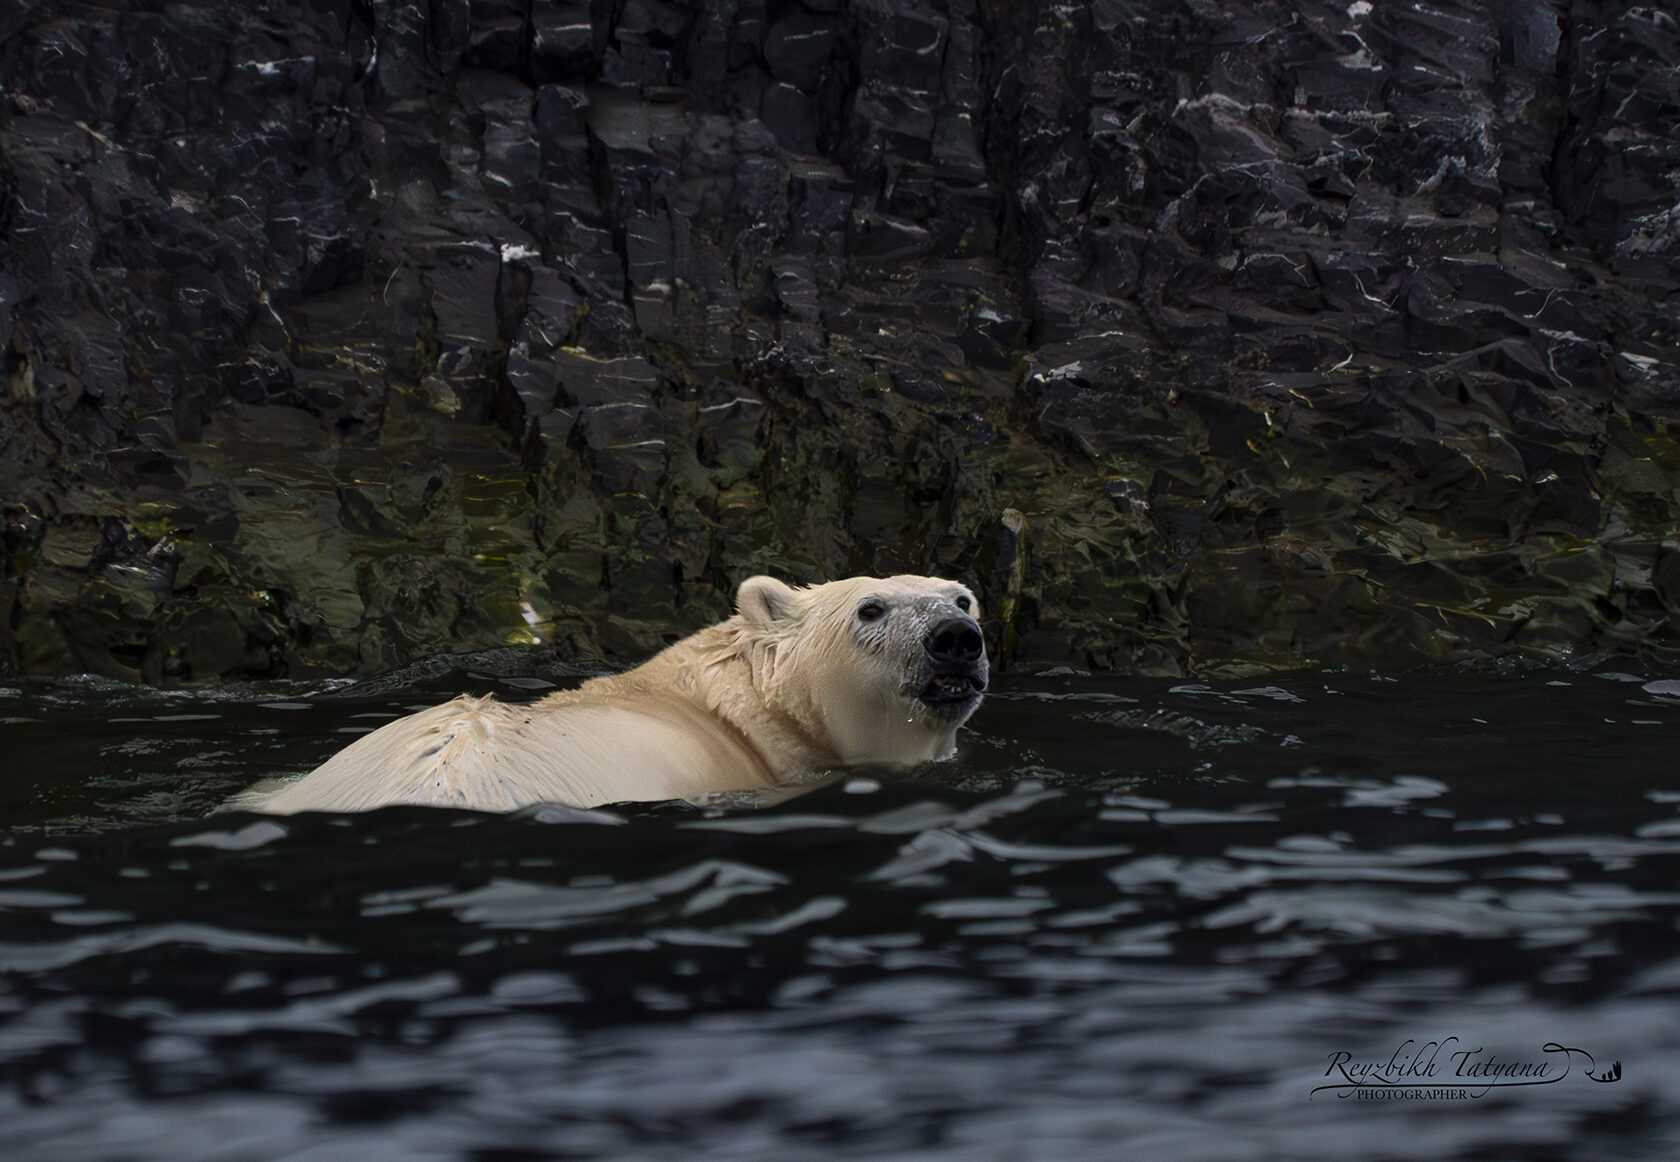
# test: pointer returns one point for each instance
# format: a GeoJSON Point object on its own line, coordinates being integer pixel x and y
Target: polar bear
{"type": "Point", "coordinates": [799, 680]}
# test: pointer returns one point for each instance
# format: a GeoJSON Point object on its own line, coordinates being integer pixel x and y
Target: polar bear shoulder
{"type": "Point", "coordinates": [487, 755]}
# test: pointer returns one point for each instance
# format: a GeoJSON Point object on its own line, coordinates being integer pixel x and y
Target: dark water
{"type": "Point", "coordinates": [1134, 919]}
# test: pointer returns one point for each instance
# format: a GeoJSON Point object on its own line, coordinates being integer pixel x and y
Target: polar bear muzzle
{"type": "Point", "coordinates": [953, 671]}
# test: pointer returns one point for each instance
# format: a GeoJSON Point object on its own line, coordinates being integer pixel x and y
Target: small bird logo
{"type": "Point", "coordinates": [1614, 1073]}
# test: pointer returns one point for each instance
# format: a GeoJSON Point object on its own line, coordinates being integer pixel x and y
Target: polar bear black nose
{"type": "Point", "coordinates": [956, 640]}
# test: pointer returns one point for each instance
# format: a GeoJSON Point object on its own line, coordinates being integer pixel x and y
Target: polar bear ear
{"type": "Point", "coordinates": [765, 600]}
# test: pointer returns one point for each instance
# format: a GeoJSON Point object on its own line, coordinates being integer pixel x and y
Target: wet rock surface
{"type": "Point", "coordinates": [1192, 334]}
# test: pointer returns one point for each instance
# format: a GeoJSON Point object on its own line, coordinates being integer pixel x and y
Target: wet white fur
{"type": "Point", "coordinates": [793, 683]}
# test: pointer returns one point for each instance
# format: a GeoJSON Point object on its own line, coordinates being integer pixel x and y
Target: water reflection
{"type": "Point", "coordinates": [1133, 916]}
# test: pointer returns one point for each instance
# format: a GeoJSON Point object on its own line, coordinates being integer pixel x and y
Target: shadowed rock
{"type": "Point", "coordinates": [1191, 334]}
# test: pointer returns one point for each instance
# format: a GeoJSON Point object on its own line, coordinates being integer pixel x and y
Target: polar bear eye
{"type": "Point", "coordinates": [871, 610]}
{"type": "Point", "coordinates": [963, 603]}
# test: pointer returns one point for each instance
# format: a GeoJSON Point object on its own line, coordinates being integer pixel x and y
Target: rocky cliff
{"type": "Point", "coordinates": [1196, 333]}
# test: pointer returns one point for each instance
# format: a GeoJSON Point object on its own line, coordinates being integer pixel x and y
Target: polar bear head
{"type": "Point", "coordinates": [880, 669]}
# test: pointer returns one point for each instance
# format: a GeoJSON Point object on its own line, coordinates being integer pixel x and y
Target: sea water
{"type": "Point", "coordinates": [1317, 915]}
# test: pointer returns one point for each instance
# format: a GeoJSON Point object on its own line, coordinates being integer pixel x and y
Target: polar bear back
{"type": "Point", "coordinates": [493, 756]}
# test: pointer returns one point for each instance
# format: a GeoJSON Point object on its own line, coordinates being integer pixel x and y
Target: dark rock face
{"type": "Point", "coordinates": [336, 333]}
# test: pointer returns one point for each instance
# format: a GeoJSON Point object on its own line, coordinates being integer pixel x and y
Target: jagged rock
{"type": "Point", "coordinates": [1191, 333]}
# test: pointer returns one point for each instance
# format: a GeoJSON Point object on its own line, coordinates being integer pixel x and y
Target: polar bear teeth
{"type": "Point", "coordinates": [949, 688]}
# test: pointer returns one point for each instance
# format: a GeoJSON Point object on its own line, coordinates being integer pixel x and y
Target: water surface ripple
{"type": "Point", "coordinates": [1133, 916]}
